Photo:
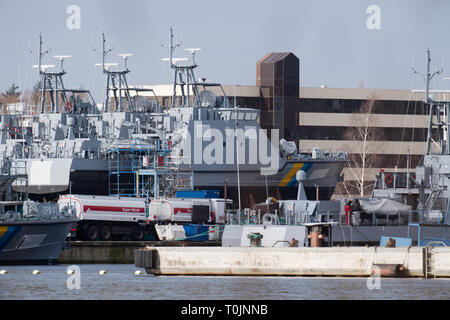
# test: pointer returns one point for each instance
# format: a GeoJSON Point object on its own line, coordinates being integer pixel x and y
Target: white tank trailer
{"type": "Point", "coordinates": [109, 217]}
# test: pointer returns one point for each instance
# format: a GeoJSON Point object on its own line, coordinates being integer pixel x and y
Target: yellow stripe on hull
{"type": "Point", "coordinates": [290, 174]}
{"type": "Point", "coordinates": [2, 231]}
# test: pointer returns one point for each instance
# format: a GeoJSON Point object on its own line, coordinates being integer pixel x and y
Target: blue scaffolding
{"type": "Point", "coordinates": [144, 170]}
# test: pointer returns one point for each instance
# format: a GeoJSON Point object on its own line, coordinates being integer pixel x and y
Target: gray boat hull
{"type": "Point", "coordinates": [281, 235]}
{"type": "Point", "coordinates": [33, 242]}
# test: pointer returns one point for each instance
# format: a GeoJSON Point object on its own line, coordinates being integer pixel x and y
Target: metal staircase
{"type": "Point", "coordinates": [8, 175]}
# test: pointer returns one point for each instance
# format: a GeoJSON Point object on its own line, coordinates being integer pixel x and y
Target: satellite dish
{"type": "Point", "coordinates": [207, 98]}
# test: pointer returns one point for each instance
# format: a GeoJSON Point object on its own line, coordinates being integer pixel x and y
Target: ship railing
{"type": "Point", "coordinates": [158, 163]}
{"type": "Point", "coordinates": [245, 216]}
{"type": "Point", "coordinates": [396, 218]}
{"type": "Point", "coordinates": [392, 180]}
{"type": "Point", "coordinates": [361, 218]}
{"type": "Point", "coordinates": [319, 154]}
{"type": "Point", "coordinates": [11, 211]}
{"type": "Point", "coordinates": [253, 216]}
{"type": "Point", "coordinates": [18, 167]}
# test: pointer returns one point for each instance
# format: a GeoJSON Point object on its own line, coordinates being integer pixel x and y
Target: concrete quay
{"type": "Point", "coordinates": [264, 261]}
{"type": "Point", "coordinates": [114, 251]}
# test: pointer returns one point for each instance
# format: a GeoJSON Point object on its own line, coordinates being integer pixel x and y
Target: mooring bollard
{"type": "Point", "coordinates": [255, 239]}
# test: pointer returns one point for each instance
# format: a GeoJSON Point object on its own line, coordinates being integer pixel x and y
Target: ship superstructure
{"type": "Point", "coordinates": [426, 190]}
{"type": "Point", "coordinates": [133, 146]}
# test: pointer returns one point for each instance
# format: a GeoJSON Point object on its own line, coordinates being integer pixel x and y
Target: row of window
{"type": "Point", "coordinates": [344, 133]}
{"type": "Point", "coordinates": [350, 106]}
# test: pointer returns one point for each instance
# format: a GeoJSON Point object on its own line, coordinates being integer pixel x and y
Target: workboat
{"type": "Point", "coordinates": [32, 233]}
{"type": "Point", "coordinates": [302, 222]}
{"type": "Point", "coordinates": [132, 146]}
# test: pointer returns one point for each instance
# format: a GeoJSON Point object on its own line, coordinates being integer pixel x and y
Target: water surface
{"type": "Point", "coordinates": [121, 283]}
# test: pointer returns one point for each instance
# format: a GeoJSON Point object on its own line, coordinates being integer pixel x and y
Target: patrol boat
{"type": "Point", "coordinates": [224, 146]}
{"type": "Point", "coordinates": [32, 232]}
{"type": "Point", "coordinates": [74, 146]}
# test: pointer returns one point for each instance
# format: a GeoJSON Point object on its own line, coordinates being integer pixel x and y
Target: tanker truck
{"type": "Point", "coordinates": [111, 217]}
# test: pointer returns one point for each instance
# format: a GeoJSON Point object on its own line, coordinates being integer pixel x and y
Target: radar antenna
{"type": "Point", "coordinates": [171, 47]}
{"type": "Point", "coordinates": [125, 58]}
{"type": "Point", "coordinates": [116, 81]}
{"type": "Point", "coordinates": [181, 71]}
{"type": "Point", "coordinates": [193, 51]}
{"type": "Point", "coordinates": [52, 82]}
{"type": "Point", "coordinates": [440, 111]}
{"type": "Point", "coordinates": [61, 60]}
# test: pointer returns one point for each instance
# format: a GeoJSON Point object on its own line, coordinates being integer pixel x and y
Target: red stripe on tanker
{"type": "Point", "coordinates": [182, 210]}
{"type": "Point", "coordinates": [114, 209]}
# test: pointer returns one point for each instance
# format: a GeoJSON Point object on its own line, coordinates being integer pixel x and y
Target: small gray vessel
{"type": "Point", "coordinates": [409, 208]}
{"type": "Point", "coordinates": [32, 232]}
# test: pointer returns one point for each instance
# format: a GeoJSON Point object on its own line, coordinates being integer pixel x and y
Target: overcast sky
{"type": "Point", "coordinates": [331, 38]}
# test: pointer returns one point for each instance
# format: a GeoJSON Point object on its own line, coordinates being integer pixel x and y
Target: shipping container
{"type": "Point", "coordinates": [201, 194]}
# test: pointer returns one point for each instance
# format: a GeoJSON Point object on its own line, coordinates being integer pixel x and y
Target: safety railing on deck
{"type": "Point", "coordinates": [391, 180]}
{"type": "Point", "coordinates": [250, 216]}
{"type": "Point", "coordinates": [319, 154]}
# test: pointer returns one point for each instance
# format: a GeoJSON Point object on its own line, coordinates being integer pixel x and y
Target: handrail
{"type": "Point", "coordinates": [280, 241]}
{"type": "Point", "coordinates": [435, 242]}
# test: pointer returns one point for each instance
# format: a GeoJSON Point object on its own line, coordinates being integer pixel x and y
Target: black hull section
{"type": "Point", "coordinates": [83, 182]}
{"type": "Point", "coordinates": [97, 183]}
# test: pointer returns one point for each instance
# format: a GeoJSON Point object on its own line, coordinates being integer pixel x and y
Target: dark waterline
{"type": "Point", "coordinates": [121, 283]}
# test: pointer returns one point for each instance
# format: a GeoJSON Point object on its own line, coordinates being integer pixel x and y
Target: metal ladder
{"type": "Point", "coordinates": [429, 263]}
{"type": "Point", "coordinates": [431, 199]}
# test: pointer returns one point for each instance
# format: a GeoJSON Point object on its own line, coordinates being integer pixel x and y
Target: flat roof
{"type": "Point", "coordinates": [314, 93]}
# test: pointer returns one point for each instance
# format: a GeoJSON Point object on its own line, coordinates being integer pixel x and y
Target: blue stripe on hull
{"type": "Point", "coordinates": [9, 235]}
{"type": "Point", "coordinates": [293, 181]}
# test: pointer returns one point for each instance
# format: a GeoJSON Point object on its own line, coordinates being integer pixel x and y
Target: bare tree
{"type": "Point", "coordinates": [12, 91]}
{"type": "Point", "coordinates": [364, 145]}
{"type": "Point", "coordinates": [11, 95]}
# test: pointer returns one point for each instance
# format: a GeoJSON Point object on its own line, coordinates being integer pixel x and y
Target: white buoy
{"type": "Point", "coordinates": [138, 272]}
{"type": "Point", "coordinates": [36, 272]}
{"type": "Point", "coordinates": [102, 272]}
{"type": "Point", "coordinates": [3, 272]}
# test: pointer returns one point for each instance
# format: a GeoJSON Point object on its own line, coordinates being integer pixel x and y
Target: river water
{"type": "Point", "coordinates": [120, 282]}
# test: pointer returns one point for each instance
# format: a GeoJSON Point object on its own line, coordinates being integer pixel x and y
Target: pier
{"type": "Point", "coordinates": [78, 252]}
{"type": "Point", "coordinates": [337, 261]}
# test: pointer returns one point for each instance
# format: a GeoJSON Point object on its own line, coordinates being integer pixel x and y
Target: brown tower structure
{"type": "Point", "coordinates": [277, 76]}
